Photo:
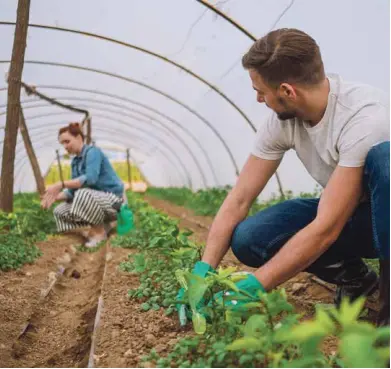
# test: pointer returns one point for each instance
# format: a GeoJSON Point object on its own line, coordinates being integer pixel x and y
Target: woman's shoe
{"type": "Point", "coordinates": [95, 241]}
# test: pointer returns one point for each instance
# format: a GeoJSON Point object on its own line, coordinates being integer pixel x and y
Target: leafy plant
{"type": "Point", "coordinates": [209, 201]}
{"type": "Point", "coordinates": [16, 251]}
{"type": "Point", "coordinates": [21, 229]}
{"type": "Point", "coordinates": [161, 246]}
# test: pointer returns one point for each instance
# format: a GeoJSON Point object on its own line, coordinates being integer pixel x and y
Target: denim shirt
{"type": "Point", "coordinates": [93, 169]}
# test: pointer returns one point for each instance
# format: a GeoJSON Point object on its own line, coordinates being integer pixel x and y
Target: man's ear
{"type": "Point", "coordinates": [288, 91]}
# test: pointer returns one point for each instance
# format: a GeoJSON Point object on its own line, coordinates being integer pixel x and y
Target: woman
{"type": "Point", "coordinates": [93, 195]}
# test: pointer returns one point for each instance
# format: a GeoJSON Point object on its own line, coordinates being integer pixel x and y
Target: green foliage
{"type": "Point", "coordinates": [160, 246]}
{"type": "Point", "coordinates": [16, 251]}
{"type": "Point", "coordinates": [28, 218]}
{"type": "Point", "coordinates": [268, 333]}
{"type": "Point", "coordinates": [209, 201]}
{"type": "Point", "coordinates": [21, 229]}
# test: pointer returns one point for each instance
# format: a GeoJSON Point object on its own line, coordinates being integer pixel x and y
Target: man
{"type": "Point", "coordinates": [340, 132]}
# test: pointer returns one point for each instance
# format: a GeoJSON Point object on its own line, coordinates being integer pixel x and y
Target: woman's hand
{"type": "Point", "coordinates": [51, 195]}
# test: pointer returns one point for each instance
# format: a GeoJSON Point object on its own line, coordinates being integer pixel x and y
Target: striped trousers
{"type": "Point", "coordinates": [88, 208]}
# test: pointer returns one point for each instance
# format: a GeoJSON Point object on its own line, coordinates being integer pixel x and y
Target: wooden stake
{"type": "Point", "coordinates": [31, 154]}
{"type": "Point", "coordinates": [13, 106]}
{"type": "Point", "coordinates": [129, 168]}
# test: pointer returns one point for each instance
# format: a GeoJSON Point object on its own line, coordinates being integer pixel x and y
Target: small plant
{"type": "Point", "coordinates": [16, 251]}
{"type": "Point", "coordinates": [161, 246]}
{"type": "Point", "coordinates": [21, 229]}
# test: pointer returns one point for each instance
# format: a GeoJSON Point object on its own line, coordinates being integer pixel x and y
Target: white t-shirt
{"type": "Point", "coordinates": [356, 118]}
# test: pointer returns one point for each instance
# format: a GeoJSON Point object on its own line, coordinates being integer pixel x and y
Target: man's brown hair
{"type": "Point", "coordinates": [286, 55]}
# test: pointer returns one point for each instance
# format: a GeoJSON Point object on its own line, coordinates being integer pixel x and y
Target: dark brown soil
{"type": "Point", "coordinates": [125, 333]}
{"type": "Point", "coordinates": [56, 328]}
{"type": "Point", "coordinates": [20, 291]}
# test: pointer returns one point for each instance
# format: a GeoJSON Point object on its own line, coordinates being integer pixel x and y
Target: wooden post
{"type": "Point", "coordinates": [280, 186]}
{"type": "Point", "coordinates": [89, 131]}
{"type": "Point", "coordinates": [31, 154]}
{"type": "Point", "coordinates": [13, 106]}
{"type": "Point", "coordinates": [129, 168]}
{"type": "Point", "coordinates": [59, 167]}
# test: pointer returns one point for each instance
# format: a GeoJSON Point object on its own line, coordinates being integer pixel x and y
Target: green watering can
{"type": "Point", "coordinates": [125, 221]}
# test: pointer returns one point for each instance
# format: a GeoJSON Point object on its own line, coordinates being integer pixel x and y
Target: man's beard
{"type": "Point", "coordinates": [286, 115]}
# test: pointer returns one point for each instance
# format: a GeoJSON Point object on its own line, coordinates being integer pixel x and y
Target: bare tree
{"type": "Point", "coordinates": [13, 106]}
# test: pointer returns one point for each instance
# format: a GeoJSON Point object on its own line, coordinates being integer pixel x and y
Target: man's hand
{"type": "Point", "coordinates": [247, 291]}
{"type": "Point", "coordinates": [200, 269]}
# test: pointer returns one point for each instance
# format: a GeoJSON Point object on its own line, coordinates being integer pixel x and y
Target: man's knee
{"type": "Point", "coordinates": [377, 161]}
{"type": "Point", "coordinates": [242, 246]}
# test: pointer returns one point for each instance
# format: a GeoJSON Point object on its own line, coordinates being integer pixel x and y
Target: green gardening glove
{"type": "Point", "coordinates": [236, 300]}
{"type": "Point", "coordinates": [201, 269]}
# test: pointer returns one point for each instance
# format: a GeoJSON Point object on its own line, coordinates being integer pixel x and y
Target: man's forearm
{"type": "Point", "coordinates": [230, 214]}
{"type": "Point", "coordinates": [296, 255]}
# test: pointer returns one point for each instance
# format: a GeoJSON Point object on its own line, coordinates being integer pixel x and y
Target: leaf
{"type": "Point", "coordinates": [383, 335]}
{"type": "Point", "coordinates": [349, 312]}
{"type": "Point", "coordinates": [357, 351]}
{"type": "Point", "coordinates": [304, 331]}
{"type": "Point", "coordinates": [155, 241]}
{"type": "Point", "coordinates": [199, 322]}
{"type": "Point", "coordinates": [323, 318]}
{"type": "Point", "coordinates": [187, 232]}
{"type": "Point", "coordinates": [236, 277]}
{"type": "Point", "coordinates": [255, 326]}
{"type": "Point", "coordinates": [196, 290]}
{"type": "Point", "coordinates": [252, 305]}
{"type": "Point", "coordinates": [232, 286]}
{"type": "Point", "coordinates": [245, 358]}
{"type": "Point", "coordinates": [232, 317]}
{"type": "Point", "coordinates": [246, 343]}
{"type": "Point", "coordinates": [180, 276]}
{"type": "Point", "coordinates": [224, 273]}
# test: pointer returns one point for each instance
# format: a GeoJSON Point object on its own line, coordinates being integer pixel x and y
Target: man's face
{"type": "Point", "coordinates": [276, 99]}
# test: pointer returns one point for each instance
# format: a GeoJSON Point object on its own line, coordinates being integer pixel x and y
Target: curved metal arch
{"type": "Point", "coordinates": [143, 50]}
{"type": "Point", "coordinates": [142, 139]}
{"type": "Point", "coordinates": [21, 163]}
{"type": "Point", "coordinates": [154, 120]}
{"type": "Point", "coordinates": [47, 139]}
{"type": "Point", "coordinates": [227, 18]}
{"type": "Point", "coordinates": [128, 128]}
{"type": "Point", "coordinates": [197, 163]}
{"type": "Point", "coordinates": [24, 161]}
{"type": "Point", "coordinates": [130, 80]}
{"type": "Point", "coordinates": [163, 143]}
{"type": "Point", "coordinates": [130, 101]}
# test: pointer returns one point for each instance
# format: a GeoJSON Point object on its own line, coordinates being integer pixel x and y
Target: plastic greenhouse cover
{"type": "Point", "coordinates": [166, 79]}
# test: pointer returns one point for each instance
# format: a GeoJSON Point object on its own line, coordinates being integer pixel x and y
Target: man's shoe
{"type": "Point", "coordinates": [383, 318]}
{"type": "Point", "coordinates": [353, 278]}
{"type": "Point", "coordinates": [362, 285]}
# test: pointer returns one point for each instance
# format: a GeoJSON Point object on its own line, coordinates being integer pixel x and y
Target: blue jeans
{"type": "Point", "coordinates": [366, 235]}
